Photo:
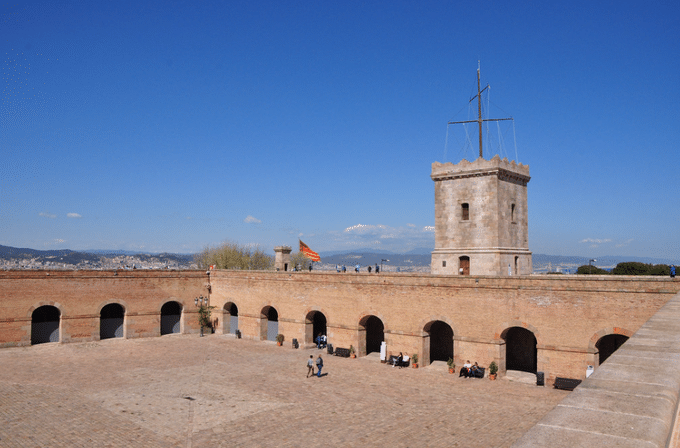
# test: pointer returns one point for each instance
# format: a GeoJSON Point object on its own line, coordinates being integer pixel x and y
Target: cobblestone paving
{"type": "Point", "coordinates": [217, 391]}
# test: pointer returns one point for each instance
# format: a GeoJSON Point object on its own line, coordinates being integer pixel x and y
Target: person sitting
{"type": "Point", "coordinates": [473, 371]}
{"type": "Point", "coordinates": [465, 370]}
{"type": "Point", "coordinates": [318, 341]}
{"type": "Point", "coordinates": [404, 361]}
{"type": "Point", "coordinates": [324, 341]}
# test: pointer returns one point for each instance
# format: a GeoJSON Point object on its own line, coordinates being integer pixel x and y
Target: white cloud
{"type": "Point", "coordinates": [596, 241]}
{"type": "Point", "coordinates": [47, 215]}
{"type": "Point", "coordinates": [378, 237]}
{"type": "Point", "coordinates": [73, 215]}
{"type": "Point", "coordinates": [251, 219]}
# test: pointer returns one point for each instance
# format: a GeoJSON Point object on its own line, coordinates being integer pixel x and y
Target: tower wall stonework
{"type": "Point", "coordinates": [481, 214]}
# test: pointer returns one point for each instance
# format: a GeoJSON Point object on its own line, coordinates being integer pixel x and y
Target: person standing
{"type": "Point", "coordinates": [310, 365]}
{"type": "Point", "coordinates": [369, 269]}
{"type": "Point", "coordinates": [377, 269]}
{"type": "Point", "coordinates": [319, 365]}
{"type": "Point", "coordinates": [672, 271]}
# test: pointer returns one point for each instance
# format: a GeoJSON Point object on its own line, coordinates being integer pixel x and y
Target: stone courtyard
{"type": "Point", "coordinates": [218, 391]}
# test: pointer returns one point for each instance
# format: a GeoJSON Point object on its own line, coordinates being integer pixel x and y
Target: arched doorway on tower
{"type": "Point", "coordinates": [171, 316]}
{"type": "Point", "coordinates": [520, 349]}
{"type": "Point", "coordinates": [45, 324]}
{"type": "Point", "coordinates": [464, 265]}
{"type": "Point", "coordinates": [608, 344]}
{"type": "Point", "coordinates": [229, 318]}
{"type": "Point", "coordinates": [371, 335]}
{"type": "Point", "coordinates": [269, 323]}
{"type": "Point", "coordinates": [315, 324]}
{"type": "Point", "coordinates": [112, 321]}
{"type": "Point", "coordinates": [438, 343]}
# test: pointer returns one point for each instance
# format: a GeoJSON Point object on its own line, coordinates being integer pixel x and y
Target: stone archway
{"type": "Point", "coordinates": [608, 344]}
{"type": "Point", "coordinates": [371, 335]}
{"type": "Point", "coordinates": [112, 321]}
{"type": "Point", "coordinates": [439, 338]}
{"type": "Point", "coordinates": [269, 323]}
{"type": "Point", "coordinates": [229, 318]}
{"type": "Point", "coordinates": [171, 317]}
{"type": "Point", "coordinates": [315, 324]}
{"type": "Point", "coordinates": [520, 349]}
{"type": "Point", "coordinates": [45, 321]}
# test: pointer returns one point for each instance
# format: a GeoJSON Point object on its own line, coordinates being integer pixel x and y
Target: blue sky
{"type": "Point", "coordinates": [169, 126]}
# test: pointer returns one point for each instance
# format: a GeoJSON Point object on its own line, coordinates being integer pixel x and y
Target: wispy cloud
{"type": "Point", "coordinates": [379, 237]}
{"type": "Point", "coordinates": [47, 215]}
{"type": "Point", "coordinates": [73, 215]}
{"type": "Point", "coordinates": [595, 241]}
{"type": "Point", "coordinates": [251, 220]}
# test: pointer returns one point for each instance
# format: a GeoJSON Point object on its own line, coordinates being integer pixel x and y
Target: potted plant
{"type": "Point", "coordinates": [279, 339]}
{"type": "Point", "coordinates": [493, 370]}
{"type": "Point", "coordinates": [415, 360]}
{"type": "Point", "coordinates": [452, 365]}
{"type": "Point", "coordinates": [351, 352]}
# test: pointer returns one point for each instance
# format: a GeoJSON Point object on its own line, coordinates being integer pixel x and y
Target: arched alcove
{"type": "Point", "coordinates": [171, 314]}
{"type": "Point", "coordinates": [440, 335]}
{"type": "Point", "coordinates": [45, 324]}
{"type": "Point", "coordinates": [230, 319]}
{"type": "Point", "coordinates": [269, 323]}
{"type": "Point", "coordinates": [520, 349]}
{"type": "Point", "coordinates": [112, 321]}
{"type": "Point", "coordinates": [315, 324]}
{"type": "Point", "coordinates": [372, 332]}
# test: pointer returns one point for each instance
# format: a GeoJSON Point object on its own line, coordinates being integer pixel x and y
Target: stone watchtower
{"type": "Point", "coordinates": [480, 212]}
{"type": "Point", "coordinates": [282, 258]}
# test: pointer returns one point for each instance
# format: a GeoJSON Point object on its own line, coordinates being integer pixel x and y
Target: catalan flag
{"type": "Point", "coordinates": [309, 253]}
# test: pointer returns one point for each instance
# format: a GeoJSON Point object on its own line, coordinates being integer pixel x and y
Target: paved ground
{"type": "Point", "coordinates": [216, 391]}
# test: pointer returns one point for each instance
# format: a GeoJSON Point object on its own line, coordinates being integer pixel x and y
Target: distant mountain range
{"type": "Point", "coordinates": [416, 257]}
{"type": "Point", "coordinates": [74, 257]}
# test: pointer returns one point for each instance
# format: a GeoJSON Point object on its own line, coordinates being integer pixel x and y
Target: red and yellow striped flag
{"type": "Point", "coordinates": [309, 253]}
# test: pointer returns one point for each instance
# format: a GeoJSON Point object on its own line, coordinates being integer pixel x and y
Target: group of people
{"type": "Point", "coordinates": [470, 370]}
{"type": "Point", "coordinates": [357, 268]}
{"type": "Point", "coordinates": [399, 361]}
{"type": "Point", "coordinates": [310, 366]}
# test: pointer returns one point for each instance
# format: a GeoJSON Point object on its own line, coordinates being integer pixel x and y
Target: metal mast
{"type": "Point", "coordinates": [479, 119]}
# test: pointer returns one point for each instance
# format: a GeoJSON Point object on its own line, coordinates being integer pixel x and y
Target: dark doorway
{"type": "Point", "coordinates": [111, 321]}
{"type": "Point", "coordinates": [230, 319]}
{"type": "Point", "coordinates": [171, 312]}
{"type": "Point", "coordinates": [520, 349]}
{"type": "Point", "coordinates": [375, 333]}
{"type": "Point", "coordinates": [269, 323]}
{"type": "Point", "coordinates": [464, 266]}
{"type": "Point", "coordinates": [315, 324]}
{"type": "Point", "coordinates": [609, 344]}
{"type": "Point", "coordinates": [45, 324]}
{"type": "Point", "coordinates": [441, 340]}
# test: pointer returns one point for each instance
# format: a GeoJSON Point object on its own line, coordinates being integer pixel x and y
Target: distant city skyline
{"type": "Point", "coordinates": [159, 127]}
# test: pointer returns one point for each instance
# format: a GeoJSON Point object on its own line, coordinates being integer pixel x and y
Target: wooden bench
{"type": "Point", "coordinates": [343, 352]}
{"type": "Point", "coordinates": [566, 383]}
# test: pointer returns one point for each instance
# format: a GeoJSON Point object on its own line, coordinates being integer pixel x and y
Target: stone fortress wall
{"type": "Point", "coordinates": [423, 314]}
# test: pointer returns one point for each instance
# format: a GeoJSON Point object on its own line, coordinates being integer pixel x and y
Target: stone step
{"type": "Point", "coordinates": [520, 377]}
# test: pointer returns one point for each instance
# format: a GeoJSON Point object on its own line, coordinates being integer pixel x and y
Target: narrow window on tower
{"type": "Point", "coordinates": [444, 263]}
{"type": "Point", "coordinates": [512, 213]}
{"type": "Point", "coordinates": [465, 211]}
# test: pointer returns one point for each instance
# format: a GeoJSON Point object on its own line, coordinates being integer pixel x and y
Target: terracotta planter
{"type": "Point", "coordinates": [279, 343]}
{"type": "Point", "coordinates": [492, 376]}
{"type": "Point", "coordinates": [415, 365]}
{"type": "Point", "coordinates": [352, 356]}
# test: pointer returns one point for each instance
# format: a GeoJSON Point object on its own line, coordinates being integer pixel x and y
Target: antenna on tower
{"type": "Point", "coordinates": [479, 119]}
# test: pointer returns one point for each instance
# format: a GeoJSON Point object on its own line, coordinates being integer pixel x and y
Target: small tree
{"type": "Point", "coordinates": [204, 312]}
{"type": "Point", "coordinates": [590, 269]}
{"type": "Point", "coordinates": [493, 368]}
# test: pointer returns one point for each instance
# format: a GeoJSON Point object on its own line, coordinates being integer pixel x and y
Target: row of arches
{"type": "Point", "coordinates": [46, 322]}
{"type": "Point", "coordinates": [520, 343]}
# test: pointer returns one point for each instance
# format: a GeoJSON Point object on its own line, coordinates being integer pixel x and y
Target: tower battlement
{"type": "Point", "coordinates": [480, 167]}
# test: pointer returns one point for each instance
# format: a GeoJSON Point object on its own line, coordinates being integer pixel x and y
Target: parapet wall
{"type": "Point", "coordinates": [566, 314]}
{"type": "Point", "coordinates": [630, 401]}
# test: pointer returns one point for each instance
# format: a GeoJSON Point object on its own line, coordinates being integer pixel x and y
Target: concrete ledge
{"type": "Point", "coordinates": [630, 401]}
